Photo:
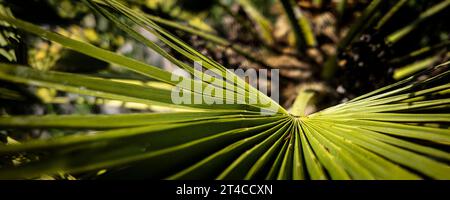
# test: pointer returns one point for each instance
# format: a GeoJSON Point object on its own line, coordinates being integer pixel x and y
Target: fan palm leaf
{"type": "Point", "coordinates": [396, 132]}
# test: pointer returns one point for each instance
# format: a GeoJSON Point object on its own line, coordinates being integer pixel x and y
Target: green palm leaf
{"type": "Point", "coordinates": [397, 132]}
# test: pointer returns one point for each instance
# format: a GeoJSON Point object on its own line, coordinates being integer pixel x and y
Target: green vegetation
{"type": "Point", "coordinates": [398, 130]}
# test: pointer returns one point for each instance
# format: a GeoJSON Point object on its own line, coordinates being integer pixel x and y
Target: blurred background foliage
{"type": "Point", "coordinates": [257, 34]}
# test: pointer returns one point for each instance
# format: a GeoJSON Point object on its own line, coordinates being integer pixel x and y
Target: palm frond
{"type": "Point", "coordinates": [397, 132]}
